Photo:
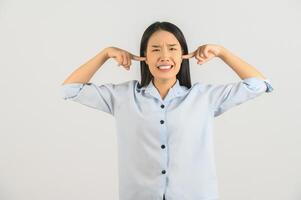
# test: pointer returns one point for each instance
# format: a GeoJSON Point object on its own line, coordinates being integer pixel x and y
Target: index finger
{"type": "Point", "coordinates": [190, 55]}
{"type": "Point", "coordinates": [138, 58]}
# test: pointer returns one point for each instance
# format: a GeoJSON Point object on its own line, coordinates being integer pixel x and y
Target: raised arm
{"type": "Point", "coordinates": [100, 96]}
{"type": "Point", "coordinates": [226, 96]}
{"type": "Point", "coordinates": [206, 52]}
{"type": "Point", "coordinates": [84, 73]}
{"type": "Point", "coordinates": [241, 68]}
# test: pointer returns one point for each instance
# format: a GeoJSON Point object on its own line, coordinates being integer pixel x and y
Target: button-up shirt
{"type": "Point", "coordinates": [165, 146]}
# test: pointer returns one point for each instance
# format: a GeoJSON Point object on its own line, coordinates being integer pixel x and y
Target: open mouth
{"type": "Point", "coordinates": [165, 68]}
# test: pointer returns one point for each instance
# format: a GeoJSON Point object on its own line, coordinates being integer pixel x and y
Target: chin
{"type": "Point", "coordinates": [165, 76]}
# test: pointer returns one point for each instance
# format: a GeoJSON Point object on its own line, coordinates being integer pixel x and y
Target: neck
{"type": "Point", "coordinates": [163, 85]}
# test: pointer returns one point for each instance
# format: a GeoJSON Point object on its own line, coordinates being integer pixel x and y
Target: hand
{"type": "Point", "coordinates": [122, 57]}
{"type": "Point", "coordinates": [204, 53]}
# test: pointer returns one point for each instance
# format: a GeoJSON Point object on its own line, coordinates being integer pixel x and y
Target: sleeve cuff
{"type": "Point", "coordinates": [269, 85]}
{"type": "Point", "coordinates": [256, 84]}
{"type": "Point", "coordinates": [70, 90]}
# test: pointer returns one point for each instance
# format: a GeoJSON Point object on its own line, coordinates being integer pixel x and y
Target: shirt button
{"type": "Point", "coordinates": [162, 106]}
{"type": "Point", "coordinates": [162, 146]}
{"type": "Point", "coordinates": [163, 172]}
{"type": "Point", "coordinates": [162, 121]}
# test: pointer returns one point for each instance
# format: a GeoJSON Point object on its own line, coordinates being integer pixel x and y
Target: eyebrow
{"type": "Point", "coordinates": [167, 44]}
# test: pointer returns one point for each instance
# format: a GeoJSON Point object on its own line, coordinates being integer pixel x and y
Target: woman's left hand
{"type": "Point", "coordinates": [205, 53]}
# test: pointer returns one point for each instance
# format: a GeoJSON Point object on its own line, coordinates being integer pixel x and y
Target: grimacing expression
{"type": "Point", "coordinates": [163, 48]}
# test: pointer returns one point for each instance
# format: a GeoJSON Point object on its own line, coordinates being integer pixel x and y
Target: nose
{"type": "Point", "coordinates": [163, 59]}
{"type": "Point", "coordinates": [164, 56]}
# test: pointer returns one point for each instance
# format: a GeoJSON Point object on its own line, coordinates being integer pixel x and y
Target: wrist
{"type": "Point", "coordinates": [105, 53]}
{"type": "Point", "coordinates": [222, 52]}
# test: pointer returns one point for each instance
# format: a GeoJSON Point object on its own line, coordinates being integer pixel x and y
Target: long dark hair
{"type": "Point", "coordinates": [184, 74]}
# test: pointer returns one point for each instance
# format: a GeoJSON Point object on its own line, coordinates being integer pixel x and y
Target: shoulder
{"type": "Point", "coordinates": [202, 86]}
{"type": "Point", "coordinates": [123, 87]}
{"type": "Point", "coordinates": [120, 86]}
{"type": "Point", "coordinates": [126, 84]}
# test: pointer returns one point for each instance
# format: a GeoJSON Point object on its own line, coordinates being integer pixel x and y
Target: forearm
{"type": "Point", "coordinates": [84, 73]}
{"type": "Point", "coordinates": [241, 68]}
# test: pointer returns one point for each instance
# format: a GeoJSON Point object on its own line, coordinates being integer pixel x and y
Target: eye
{"type": "Point", "coordinates": [170, 48]}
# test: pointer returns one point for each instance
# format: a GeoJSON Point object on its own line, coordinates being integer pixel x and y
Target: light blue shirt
{"type": "Point", "coordinates": [165, 146]}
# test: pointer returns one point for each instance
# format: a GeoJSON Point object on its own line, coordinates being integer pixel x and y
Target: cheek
{"type": "Point", "coordinates": [178, 61]}
{"type": "Point", "coordinates": [151, 61]}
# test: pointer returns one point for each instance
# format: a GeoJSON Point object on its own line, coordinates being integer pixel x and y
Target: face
{"type": "Point", "coordinates": [163, 48]}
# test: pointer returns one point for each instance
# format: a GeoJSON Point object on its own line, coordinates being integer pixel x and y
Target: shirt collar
{"type": "Point", "coordinates": [175, 91]}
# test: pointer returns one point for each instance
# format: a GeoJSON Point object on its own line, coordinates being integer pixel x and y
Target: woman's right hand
{"type": "Point", "coordinates": [123, 57]}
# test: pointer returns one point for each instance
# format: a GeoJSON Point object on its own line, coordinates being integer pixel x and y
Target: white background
{"type": "Point", "coordinates": [56, 149]}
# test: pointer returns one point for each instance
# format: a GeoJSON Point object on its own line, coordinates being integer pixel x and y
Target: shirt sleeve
{"type": "Point", "coordinates": [101, 97]}
{"type": "Point", "coordinates": [229, 95]}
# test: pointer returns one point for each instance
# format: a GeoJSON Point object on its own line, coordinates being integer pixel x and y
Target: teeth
{"type": "Point", "coordinates": [165, 67]}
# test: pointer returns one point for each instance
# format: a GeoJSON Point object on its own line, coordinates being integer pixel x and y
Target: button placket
{"type": "Point", "coordinates": [164, 135]}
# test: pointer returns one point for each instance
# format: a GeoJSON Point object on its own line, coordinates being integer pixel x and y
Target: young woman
{"type": "Point", "coordinates": [164, 124]}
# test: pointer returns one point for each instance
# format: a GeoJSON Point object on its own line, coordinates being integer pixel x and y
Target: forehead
{"type": "Point", "coordinates": [162, 38]}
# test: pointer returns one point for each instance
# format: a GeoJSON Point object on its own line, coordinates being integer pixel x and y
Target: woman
{"type": "Point", "coordinates": [164, 124]}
